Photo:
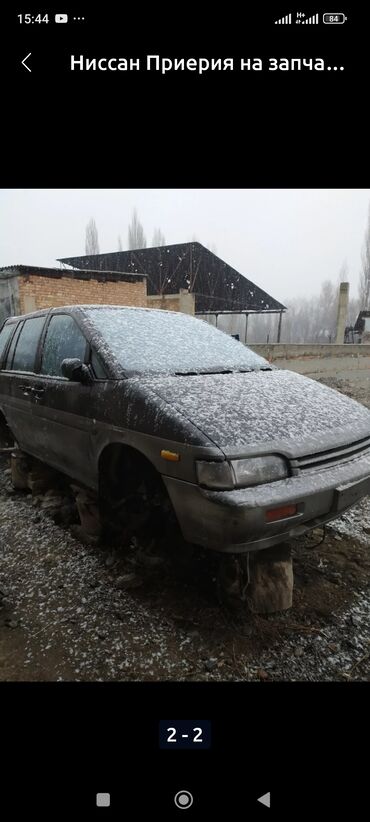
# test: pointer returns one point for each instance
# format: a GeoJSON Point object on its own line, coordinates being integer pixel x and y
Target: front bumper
{"type": "Point", "coordinates": [235, 521]}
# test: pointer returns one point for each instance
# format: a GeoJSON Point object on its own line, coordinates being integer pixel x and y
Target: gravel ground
{"type": "Point", "coordinates": [77, 610]}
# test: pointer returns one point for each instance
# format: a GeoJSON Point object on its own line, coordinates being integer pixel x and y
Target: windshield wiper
{"type": "Point", "coordinates": [248, 369]}
{"type": "Point", "coordinates": [245, 370]}
{"type": "Point", "coordinates": [201, 372]}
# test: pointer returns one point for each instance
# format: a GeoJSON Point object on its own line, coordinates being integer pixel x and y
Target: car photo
{"type": "Point", "coordinates": [141, 405]}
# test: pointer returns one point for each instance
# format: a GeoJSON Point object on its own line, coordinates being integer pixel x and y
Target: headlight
{"type": "Point", "coordinates": [256, 470]}
{"type": "Point", "coordinates": [217, 475]}
{"type": "Point", "coordinates": [241, 473]}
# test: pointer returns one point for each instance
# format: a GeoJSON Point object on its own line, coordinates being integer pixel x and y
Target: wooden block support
{"type": "Point", "coordinates": [270, 587]}
{"type": "Point", "coordinates": [88, 510]}
{"type": "Point", "coordinates": [19, 467]}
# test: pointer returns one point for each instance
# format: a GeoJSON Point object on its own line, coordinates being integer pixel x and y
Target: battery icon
{"type": "Point", "coordinates": [334, 18]}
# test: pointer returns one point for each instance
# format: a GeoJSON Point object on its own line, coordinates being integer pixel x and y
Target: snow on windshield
{"type": "Point", "coordinates": [155, 341]}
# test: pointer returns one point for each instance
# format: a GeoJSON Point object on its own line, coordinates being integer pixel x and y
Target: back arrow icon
{"type": "Point", "coordinates": [265, 799]}
{"type": "Point", "coordinates": [24, 61]}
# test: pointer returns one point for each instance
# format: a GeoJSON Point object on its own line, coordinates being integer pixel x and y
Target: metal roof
{"type": "Point", "coordinates": [216, 285]}
{"type": "Point", "coordinates": [74, 274]}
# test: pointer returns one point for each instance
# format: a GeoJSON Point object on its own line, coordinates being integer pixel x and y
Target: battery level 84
{"type": "Point", "coordinates": [334, 18]}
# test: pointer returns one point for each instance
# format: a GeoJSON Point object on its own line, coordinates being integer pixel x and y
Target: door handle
{"type": "Point", "coordinates": [30, 389]}
{"type": "Point", "coordinates": [38, 393]}
{"type": "Point", "coordinates": [26, 389]}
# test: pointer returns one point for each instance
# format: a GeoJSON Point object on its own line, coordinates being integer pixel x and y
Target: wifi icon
{"type": "Point", "coordinates": [286, 19]}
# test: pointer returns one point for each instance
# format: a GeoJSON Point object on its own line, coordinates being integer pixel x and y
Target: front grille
{"type": "Point", "coordinates": [334, 456]}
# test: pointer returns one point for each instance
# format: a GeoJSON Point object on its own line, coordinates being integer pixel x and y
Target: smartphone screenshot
{"type": "Point", "coordinates": [184, 412]}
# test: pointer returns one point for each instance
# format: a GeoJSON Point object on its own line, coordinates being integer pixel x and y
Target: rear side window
{"type": "Point", "coordinates": [13, 343]}
{"type": "Point", "coordinates": [25, 351]}
{"type": "Point", "coordinates": [5, 333]}
{"type": "Point", "coordinates": [64, 340]}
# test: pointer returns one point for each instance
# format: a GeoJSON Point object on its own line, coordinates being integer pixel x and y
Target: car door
{"type": "Point", "coordinates": [63, 410]}
{"type": "Point", "coordinates": [6, 334]}
{"type": "Point", "coordinates": [18, 379]}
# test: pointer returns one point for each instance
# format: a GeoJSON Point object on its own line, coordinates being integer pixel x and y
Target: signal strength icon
{"type": "Point", "coordinates": [313, 19]}
{"type": "Point", "coordinates": [286, 19]}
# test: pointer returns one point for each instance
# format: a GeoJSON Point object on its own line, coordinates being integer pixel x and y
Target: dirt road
{"type": "Point", "coordinates": [76, 611]}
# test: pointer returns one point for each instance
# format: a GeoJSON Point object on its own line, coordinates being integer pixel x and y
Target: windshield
{"type": "Point", "coordinates": [160, 342]}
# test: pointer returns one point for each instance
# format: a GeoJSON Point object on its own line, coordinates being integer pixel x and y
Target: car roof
{"type": "Point", "coordinates": [83, 307]}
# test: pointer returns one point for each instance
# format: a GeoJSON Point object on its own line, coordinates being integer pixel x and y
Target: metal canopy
{"type": "Point", "coordinates": [360, 322]}
{"type": "Point", "coordinates": [216, 285]}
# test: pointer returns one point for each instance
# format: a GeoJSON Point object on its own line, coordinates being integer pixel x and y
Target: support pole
{"type": "Point", "coordinates": [279, 326]}
{"type": "Point", "coordinates": [343, 298]}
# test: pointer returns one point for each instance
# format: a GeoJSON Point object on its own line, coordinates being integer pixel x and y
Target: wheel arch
{"type": "Point", "coordinates": [119, 462]}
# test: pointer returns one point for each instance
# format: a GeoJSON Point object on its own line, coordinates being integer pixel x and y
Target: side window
{"type": "Point", "coordinates": [13, 343]}
{"type": "Point", "coordinates": [5, 333]}
{"type": "Point", "coordinates": [64, 340]}
{"type": "Point", "coordinates": [97, 366]}
{"type": "Point", "coordinates": [26, 347]}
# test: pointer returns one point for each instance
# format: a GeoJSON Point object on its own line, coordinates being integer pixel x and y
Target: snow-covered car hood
{"type": "Point", "coordinates": [255, 412]}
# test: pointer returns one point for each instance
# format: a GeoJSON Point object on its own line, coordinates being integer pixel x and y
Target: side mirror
{"type": "Point", "coordinates": [76, 371]}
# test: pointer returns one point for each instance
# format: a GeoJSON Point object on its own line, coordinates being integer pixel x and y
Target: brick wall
{"type": "Point", "coordinates": [46, 292]}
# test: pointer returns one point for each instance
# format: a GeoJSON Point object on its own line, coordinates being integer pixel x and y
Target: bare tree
{"type": "Point", "coordinates": [91, 240]}
{"type": "Point", "coordinates": [119, 243]}
{"type": "Point", "coordinates": [136, 236]}
{"type": "Point", "coordinates": [362, 291]}
{"type": "Point", "coordinates": [343, 273]}
{"type": "Point", "coordinates": [326, 310]}
{"type": "Point", "coordinates": [212, 247]}
{"type": "Point", "coordinates": [364, 285]}
{"type": "Point", "coordinates": [307, 320]}
{"type": "Point", "coordinates": [158, 238]}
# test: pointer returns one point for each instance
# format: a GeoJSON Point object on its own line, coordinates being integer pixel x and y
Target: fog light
{"type": "Point", "coordinates": [280, 513]}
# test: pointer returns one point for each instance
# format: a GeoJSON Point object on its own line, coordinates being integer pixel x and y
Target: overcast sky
{"type": "Point", "coordinates": [287, 241]}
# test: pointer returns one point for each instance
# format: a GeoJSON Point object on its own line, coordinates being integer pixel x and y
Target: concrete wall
{"type": "Point", "coordinates": [313, 360]}
{"type": "Point", "coordinates": [183, 301]}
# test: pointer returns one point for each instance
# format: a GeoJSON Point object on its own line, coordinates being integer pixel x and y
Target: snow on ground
{"type": "Point", "coordinates": [355, 523]}
{"type": "Point", "coordinates": [65, 616]}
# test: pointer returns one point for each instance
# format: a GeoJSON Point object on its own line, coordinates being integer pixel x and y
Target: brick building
{"type": "Point", "coordinates": [25, 288]}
